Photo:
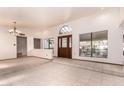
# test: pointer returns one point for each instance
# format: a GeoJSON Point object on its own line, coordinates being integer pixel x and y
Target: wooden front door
{"type": "Point", "coordinates": [65, 46]}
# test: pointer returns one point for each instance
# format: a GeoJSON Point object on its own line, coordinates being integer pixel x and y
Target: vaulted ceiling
{"type": "Point", "coordinates": [42, 17]}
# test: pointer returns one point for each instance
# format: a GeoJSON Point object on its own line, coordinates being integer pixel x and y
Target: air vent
{"type": "Point", "coordinates": [21, 34]}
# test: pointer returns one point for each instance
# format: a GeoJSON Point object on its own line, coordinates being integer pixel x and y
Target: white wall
{"type": "Point", "coordinates": [7, 41]}
{"type": "Point", "coordinates": [109, 20]}
{"type": "Point", "coordinates": [42, 53]}
{"type": "Point", "coordinates": [51, 33]}
{"type": "Point", "coordinates": [105, 20]}
{"type": "Point", "coordinates": [30, 44]}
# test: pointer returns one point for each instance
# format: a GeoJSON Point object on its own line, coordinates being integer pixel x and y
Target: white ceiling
{"type": "Point", "coordinates": [42, 18]}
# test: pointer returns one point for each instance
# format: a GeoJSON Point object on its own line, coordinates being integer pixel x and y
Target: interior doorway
{"type": "Point", "coordinates": [21, 46]}
{"type": "Point", "coordinates": [65, 46]}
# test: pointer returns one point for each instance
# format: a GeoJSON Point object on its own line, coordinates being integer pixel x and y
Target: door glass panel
{"type": "Point", "coordinates": [100, 44]}
{"type": "Point", "coordinates": [85, 45]}
{"type": "Point", "coordinates": [59, 42]}
{"type": "Point", "coordinates": [70, 42]}
{"type": "Point", "coordinates": [64, 42]}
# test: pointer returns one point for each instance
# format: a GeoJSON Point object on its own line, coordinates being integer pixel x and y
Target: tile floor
{"type": "Point", "coordinates": [37, 71]}
{"type": "Point", "coordinates": [94, 66]}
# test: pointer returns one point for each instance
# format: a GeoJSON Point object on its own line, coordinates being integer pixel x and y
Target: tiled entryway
{"type": "Point", "coordinates": [37, 71]}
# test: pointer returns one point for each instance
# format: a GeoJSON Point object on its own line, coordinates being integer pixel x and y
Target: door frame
{"type": "Point", "coordinates": [17, 45]}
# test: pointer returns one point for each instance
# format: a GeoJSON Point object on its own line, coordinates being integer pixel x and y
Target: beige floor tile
{"type": "Point", "coordinates": [57, 72]}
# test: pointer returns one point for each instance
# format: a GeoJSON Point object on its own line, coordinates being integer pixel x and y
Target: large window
{"type": "Point", "coordinates": [100, 44]}
{"type": "Point", "coordinates": [49, 43]}
{"type": "Point", "coordinates": [94, 44]}
{"type": "Point", "coordinates": [85, 45]}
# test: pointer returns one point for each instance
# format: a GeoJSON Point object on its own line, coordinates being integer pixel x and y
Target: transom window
{"type": "Point", "coordinates": [65, 29]}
